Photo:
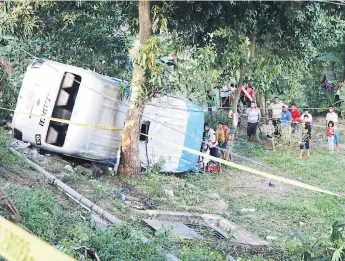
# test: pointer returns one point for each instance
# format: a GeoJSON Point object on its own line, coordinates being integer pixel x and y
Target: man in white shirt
{"type": "Point", "coordinates": [333, 116]}
{"type": "Point", "coordinates": [305, 112]}
{"type": "Point", "coordinates": [277, 110]}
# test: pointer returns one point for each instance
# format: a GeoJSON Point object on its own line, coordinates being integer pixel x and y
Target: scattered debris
{"type": "Point", "coordinates": [248, 210]}
{"type": "Point", "coordinates": [150, 203]}
{"type": "Point", "coordinates": [7, 205]}
{"type": "Point", "coordinates": [68, 168]}
{"type": "Point", "coordinates": [271, 238]}
{"type": "Point", "coordinates": [121, 196]}
{"type": "Point", "coordinates": [111, 171]}
{"type": "Point", "coordinates": [84, 170]}
{"type": "Point", "coordinates": [34, 155]}
{"type": "Point", "coordinates": [270, 184]}
{"type": "Point", "coordinates": [89, 254]}
{"type": "Point", "coordinates": [17, 144]}
{"type": "Point", "coordinates": [178, 228]}
{"type": "Point", "coordinates": [169, 193]}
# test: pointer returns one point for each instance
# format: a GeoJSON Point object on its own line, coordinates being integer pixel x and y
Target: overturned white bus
{"type": "Point", "coordinates": [55, 90]}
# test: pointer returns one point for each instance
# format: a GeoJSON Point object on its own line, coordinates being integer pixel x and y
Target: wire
{"type": "Point", "coordinates": [155, 105]}
{"type": "Point", "coordinates": [142, 114]}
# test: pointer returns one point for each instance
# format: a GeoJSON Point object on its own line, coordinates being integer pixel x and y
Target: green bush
{"type": "Point", "coordinates": [65, 227]}
{"type": "Point", "coordinates": [69, 228]}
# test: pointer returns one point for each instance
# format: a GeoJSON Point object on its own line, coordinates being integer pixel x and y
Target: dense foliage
{"type": "Point", "coordinates": [281, 48]}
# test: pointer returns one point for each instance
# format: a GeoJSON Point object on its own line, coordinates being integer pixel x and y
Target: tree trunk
{"type": "Point", "coordinates": [334, 75]}
{"type": "Point", "coordinates": [175, 49]}
{"type": "Point", "coordinates": [236, 98]}
{"type": "Point", "coordinates": [129, 158]}
{"type": "Point", "coordinates": [260, 100]}
{"type": "Point", "coordinates": [243, 71]}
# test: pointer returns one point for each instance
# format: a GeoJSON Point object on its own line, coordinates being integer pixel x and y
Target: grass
{"type": "Point", "coordinates": [6, 158]}
{"type": "Point", "coordinates": [69, 228]}
{"type": "Point", "coordinates": [321, 169]}
{"type": "Point", "coordinates": [283, 215]}
{"type": "Point", "coordinates": [287, 213]}
{"type": "Point", "coordinates": [61, 223]}
{"type": "Point", "coordinates": [299, 212]}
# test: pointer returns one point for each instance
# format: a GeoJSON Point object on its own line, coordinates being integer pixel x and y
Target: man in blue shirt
{"type": "Point", "coordinates": [286, 117]}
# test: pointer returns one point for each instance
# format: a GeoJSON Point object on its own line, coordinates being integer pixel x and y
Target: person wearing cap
{"type": "Point", "coordinates": [277, 110]}
{"type": "Point", "coordinates": [332, 116]}
{"type": "Point", "coordinates": [286, 116]}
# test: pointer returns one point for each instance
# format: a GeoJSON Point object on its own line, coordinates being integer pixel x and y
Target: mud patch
{"type": "Point", "coordinates": [20, 178]}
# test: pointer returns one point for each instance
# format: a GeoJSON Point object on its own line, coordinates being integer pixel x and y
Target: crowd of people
{"type": "Point", "coordinates": [282, 120]}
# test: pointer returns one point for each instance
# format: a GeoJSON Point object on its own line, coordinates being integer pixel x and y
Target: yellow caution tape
{"type": "Point", "coordinates": [18, 245]}
{"type": "Point", "coordinates": [250, 170]}
{"type": "Point", "coordinates": [231, 164]}
{"type": "Point", "coordinates": [94, 126]}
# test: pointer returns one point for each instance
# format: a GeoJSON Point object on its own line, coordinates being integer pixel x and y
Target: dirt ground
{"type": "Point", "coordinates": [20, 177]}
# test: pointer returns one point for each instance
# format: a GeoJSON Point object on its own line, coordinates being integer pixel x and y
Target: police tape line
{"type": "Point", "coordinates": [17, 244]}
{"type": "Point", "coordinates": [244, 168]}
{"type": "Point", "coordinates": [289, 122]}
{"type": "Point", "coordinates": [250, 170]}
{"type": "Point", "coordinates": [94, 126]}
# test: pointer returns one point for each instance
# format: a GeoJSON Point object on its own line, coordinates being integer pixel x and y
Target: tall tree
{"type": "Point", "coordinates": [83, 34]}
{"type": "Point", "coordinates": [129, 159]}
{"type": "Point", "coordinates": [285, 35]}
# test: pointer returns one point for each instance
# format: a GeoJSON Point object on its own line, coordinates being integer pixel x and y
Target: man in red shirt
{"type": "Point", "coordinates": [242, 95]}
{"type": "Point", "coordinates": [251, 93]}
{"type": "Point", "coordinates": [296, 115]}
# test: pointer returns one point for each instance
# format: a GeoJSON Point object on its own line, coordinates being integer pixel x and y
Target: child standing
{"type": "Point", "coordinates": [306, 136]}
{"type": "Point", "coordinates": [330, 136]}
{"type": "Point", "coordinates": [270, 129]}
